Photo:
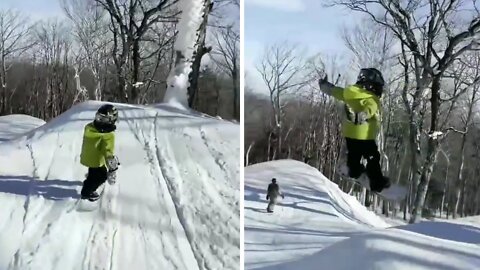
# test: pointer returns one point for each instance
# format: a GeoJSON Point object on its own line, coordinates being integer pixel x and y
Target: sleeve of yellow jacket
{"type": "Point", "coordinates": [337, 92]}
{"type": "Point", "coordinates": [107, 145]}
{"type": "Point", "coordinates": [358, 99]}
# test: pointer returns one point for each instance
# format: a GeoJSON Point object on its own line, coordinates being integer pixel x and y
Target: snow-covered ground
{"type": "Point", "coordinates": [12, 126]}
{"type": "Point", "coordinates": [317, 226]}
{"type": "Point", "coordinates": [175, 204]}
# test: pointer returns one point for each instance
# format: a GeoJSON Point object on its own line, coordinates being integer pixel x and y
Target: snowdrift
{"type": "Point", "coordinates": [314, 214]}
{"type": "Point", "coordinates": [14, 125]}
{"type": "Point", "coordinates": [175, 204]}
{"type": "Point", "coordinates": [320, 227]}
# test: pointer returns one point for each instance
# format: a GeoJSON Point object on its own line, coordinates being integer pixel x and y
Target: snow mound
{"type": "Point", "coordinates": [175, 204]}
{"type": "Point", "coordinates": [314, 214]}
{"type": "Point", "coordinates": [318, 226]}
{"type": "Point", "coordinates": [14, 125]}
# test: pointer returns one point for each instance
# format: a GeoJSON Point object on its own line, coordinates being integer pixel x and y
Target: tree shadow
{"type": "Point", "coordinates": [253, 194]}
{"type": "Point", "coordinates": [49, 189]}
{"type": "Point", "coordinates": [365, 255]}
{"type": "Point", "coordinates": [463, 232]}
{"type": "Point", "coordinates": [289, 230]}
{"type": "Point", "coordinates": [259, 210]}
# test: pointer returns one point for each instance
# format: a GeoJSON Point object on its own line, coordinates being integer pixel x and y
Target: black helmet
{"type": "Point", "coordinates": [106, 114]}
{"type": "Point", "coordinates": [274, 180]}
{"type": "Point", "coordinates": [372, 80]}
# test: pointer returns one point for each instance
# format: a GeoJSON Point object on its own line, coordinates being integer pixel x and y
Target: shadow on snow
{"type": "Point", "coordinates": [49, 189]}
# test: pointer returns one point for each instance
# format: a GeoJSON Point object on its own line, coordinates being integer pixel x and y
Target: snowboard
{"type": "Point", "coordinates": [86, 205]}
{"type": "Point", "coordinates": [395, 193]}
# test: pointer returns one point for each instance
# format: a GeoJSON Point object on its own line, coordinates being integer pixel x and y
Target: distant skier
{"type": "Point", "coordinates": [361, 125]}
{"type": "Point", "coordinates": [98, 151]}
{"type": "Point", "coordinates": [273, 191]}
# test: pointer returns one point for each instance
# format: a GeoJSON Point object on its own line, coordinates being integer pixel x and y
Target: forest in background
{"type": "Point", "coordinates": [118, 51]}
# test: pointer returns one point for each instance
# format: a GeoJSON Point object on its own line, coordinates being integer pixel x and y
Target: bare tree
{"type": "Point", "coordinates": [227, 57]}
{"type": "Point", "coordinates": [371, 44]}
{"type": "Point", "coordinates": [13, 42]}
{"type": "Point", "coordinates": [281, 69]}
{"type": "Point", "coordinates": [106, 49]}
{"type": "Point", "coordinates": [91, 33]}
{"type": "Point", "coordinates": [130, 21]}
{"type": "Point", "coordinates": [54, 45]}
{"type": "Point", "coordinates": [470, 66]}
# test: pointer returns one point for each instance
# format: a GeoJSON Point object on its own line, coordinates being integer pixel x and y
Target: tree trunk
{"type": "Point", "coordinates": [431, 156]}
{"type": "Point", "coordinates": [121, 84]}
{"type": "Point", "coordinates": [236, 104]}
{"type": "Point", "coordinates": [200, 51]}
{"type": "Point", "coordinates": [414, 143]}
{"type": "Point", "coordinates": [135, 78]}
{"type": "Point", "coordinates": [385, 208]}
{"type": "Point", "coordinates": [445, 190]}
{"type": "Point", "coordinates": [247, 154]}
{"type": "Point", "coordinates": [460, 193]}
{"type": "Point", "coordinates": [3, 85]}
{"type": "Point", "coordinates": [98, 86]}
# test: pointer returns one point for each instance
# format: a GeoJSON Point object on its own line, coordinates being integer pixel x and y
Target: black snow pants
{"type": "Point", "coordinates": [369, 151]}
{"type": "Point", "coordinates": [96, 177]}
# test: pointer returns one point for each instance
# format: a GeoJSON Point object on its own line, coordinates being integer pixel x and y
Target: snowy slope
{"type": "Point", "coordinates": [320, 227]}
{"type": "Point", "coordinates": [175, 204]}
{"type": "Point", "coordinates": [12, 126]}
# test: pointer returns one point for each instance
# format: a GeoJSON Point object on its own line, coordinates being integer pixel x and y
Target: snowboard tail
{"type": "Point", "coordinates": [395, 192]}
{"type": "Point", "coordinates": [88, 205]}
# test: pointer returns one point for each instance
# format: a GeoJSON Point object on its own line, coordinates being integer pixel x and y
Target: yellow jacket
{"type": "Point", "coordinates": [357, 99]}
{"type": "Point", "coordinates": [96, 147]}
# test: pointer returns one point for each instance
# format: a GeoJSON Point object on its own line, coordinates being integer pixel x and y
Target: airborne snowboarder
{"type": "Point", "coordinates": [273, 191]}
{"type": "Point", "coordinates": [361, 124]}
{"type": "Point", "coordinates": [98, 151]}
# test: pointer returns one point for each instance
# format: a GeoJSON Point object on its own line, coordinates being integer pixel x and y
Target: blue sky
{"type": "Point", "coordinates": [35, 9]}
{"type": "Point", "coordinates": [303, 22]}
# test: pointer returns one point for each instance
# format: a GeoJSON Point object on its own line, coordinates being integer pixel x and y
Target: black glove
{"type": "Point", "coordinates": [283, 196]}
{"type": "Point", "coordinates": [323, 80]}
{"type": "Point", "coordinates": [325, 86]}
{"type": "Point", "coordinates": [112, 163]}
{"type": "Point", "coordinates": [268, 197]}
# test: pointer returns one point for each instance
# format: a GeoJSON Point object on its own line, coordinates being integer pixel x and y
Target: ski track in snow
{"type": "Point", "coordinates": [155, 168]}
{"type": "Point", "coordinates": [168, 222]}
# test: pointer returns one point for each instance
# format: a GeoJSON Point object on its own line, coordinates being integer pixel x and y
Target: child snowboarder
{"type": "Point", "coordinates": [361, 125]}
{"type": "Point", "coordinates": [273, 191]}
{"type": "Point", "coordinates": [98, 151]}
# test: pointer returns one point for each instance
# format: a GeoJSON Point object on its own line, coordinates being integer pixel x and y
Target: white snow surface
{"type": "Point", "coordinates": [175, 204]}
{"type": "Point", "coordinates": [14, 125]}
{"type": "Point", "coordinates": [317, 226]}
